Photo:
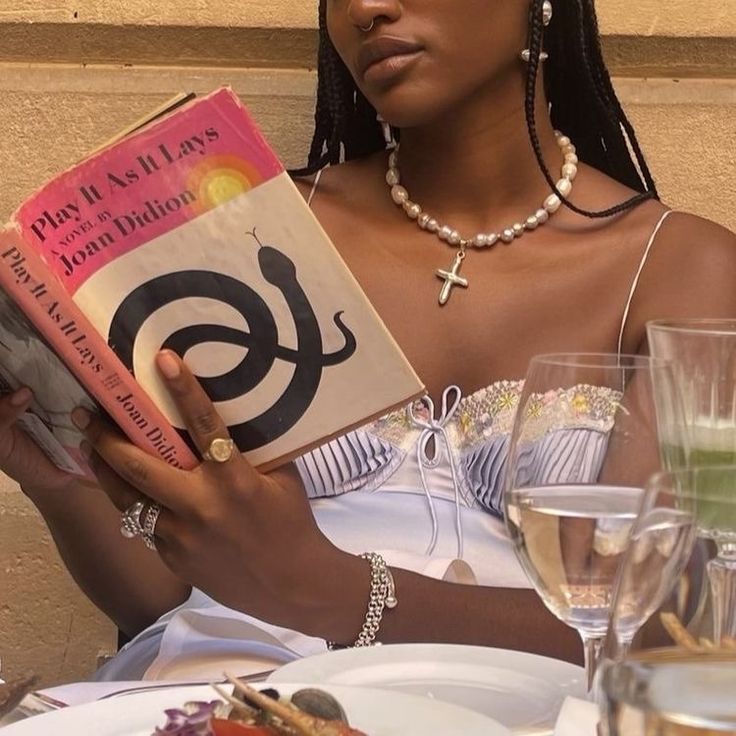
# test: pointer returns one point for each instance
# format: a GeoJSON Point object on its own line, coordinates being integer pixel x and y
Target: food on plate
{"type": "Point", "coordinates": [683, 638]}
{"type": "Point", "coordinates": [248, 712]}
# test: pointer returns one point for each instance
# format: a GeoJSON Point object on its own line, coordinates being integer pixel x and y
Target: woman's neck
{"type": "Point", "coordinates": [477, 161]}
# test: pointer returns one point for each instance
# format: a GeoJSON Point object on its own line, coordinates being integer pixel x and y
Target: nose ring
{"type": "Point", "coordinates": [368, 28]}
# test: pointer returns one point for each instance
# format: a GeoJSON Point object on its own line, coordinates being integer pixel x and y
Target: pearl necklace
{"type": "Point", "coordinates": [482, 240]}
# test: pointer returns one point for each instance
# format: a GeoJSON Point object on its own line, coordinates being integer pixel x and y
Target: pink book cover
{"type": "Point", "coordinates": [189, 235]}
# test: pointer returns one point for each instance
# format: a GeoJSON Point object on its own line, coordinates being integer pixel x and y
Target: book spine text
{"type": "Point", "coordinates": [28, 282]}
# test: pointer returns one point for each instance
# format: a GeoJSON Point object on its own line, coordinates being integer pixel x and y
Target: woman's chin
{"type": "Point", "coordinates": [407, 108]}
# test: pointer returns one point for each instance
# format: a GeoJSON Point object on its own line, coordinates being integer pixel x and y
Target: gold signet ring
{"type": "Point", "coordinates": [220, 450]}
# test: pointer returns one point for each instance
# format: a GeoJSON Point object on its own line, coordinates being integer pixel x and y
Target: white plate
{"type": "Point", "coordinates": [376, 712]}
{"type": "Point", "coordinates": [519, 690]}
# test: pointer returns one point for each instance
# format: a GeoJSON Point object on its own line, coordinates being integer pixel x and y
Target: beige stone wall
{"type": "Point", "coordinates": [646, 17]}
{"type": "Point", "coordinates": [683, 18]}
{"type": "Point", "coordinates": [74, 72]}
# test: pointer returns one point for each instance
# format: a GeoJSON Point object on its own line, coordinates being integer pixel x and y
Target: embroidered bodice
{"type": "Point", "coordinates": [460, 453]}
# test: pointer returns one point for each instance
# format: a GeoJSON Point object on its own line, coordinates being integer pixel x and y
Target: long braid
{"type": "Point", "coordinates": [345, 124]}
{"type": "Point", "coordinates": [576, 81]}
{"type": "Point", "coordinates": [586, 9]}
{"type": "Point", "coordinates": [596, 82]}
{"type": "Point", "coordinates": [611, 152]}
{"type": "Point", "coordinates": [578, 88]}
{"type": "Point", "coordinates": [335, 89]}
{"type": "Point", "coordinates": [365, 136]}
{"type": "Point", "coordinates": [612, 142]}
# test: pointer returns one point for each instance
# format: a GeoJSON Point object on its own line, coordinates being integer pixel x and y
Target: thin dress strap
{"type": "Point", "coordinates": [315, 184]}
{"type": "Point", "coordinates": [637, 276]}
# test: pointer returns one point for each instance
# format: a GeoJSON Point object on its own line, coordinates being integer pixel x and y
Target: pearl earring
{"type": "Point", "coordinates": [546, 19]}
{"type": "Point", "coordinates": [526, 56]}
{"type": "Point", "coordinates": [388, 133]}
{"type": "Point", "coordinates": [546, 12]}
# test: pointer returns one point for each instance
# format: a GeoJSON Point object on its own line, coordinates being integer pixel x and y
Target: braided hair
{"type": "Point", "coordinates": [581, 98]}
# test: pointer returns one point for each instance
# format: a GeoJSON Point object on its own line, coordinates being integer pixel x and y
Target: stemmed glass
{"type": "Point", "coordinates": [703, 357]}
{"type": "Point", "coordinates": [666, 668]}
{"type": "Point", "coordinates": [583, 445]}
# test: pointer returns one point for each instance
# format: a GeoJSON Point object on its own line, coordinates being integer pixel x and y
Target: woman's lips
{"type": "Point", "coordinates": [384, 57]}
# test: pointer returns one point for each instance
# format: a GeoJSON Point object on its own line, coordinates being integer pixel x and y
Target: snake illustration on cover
{"type": "Point", "coordinates": [261, 341]}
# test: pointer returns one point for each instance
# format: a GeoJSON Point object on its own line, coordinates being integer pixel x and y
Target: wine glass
{"type": "Point", "coordinates": [666, 669]}
{"type": "Point", "coordinates": [583, 445]}
{"type": "Point", "coordinates": [703, 356]}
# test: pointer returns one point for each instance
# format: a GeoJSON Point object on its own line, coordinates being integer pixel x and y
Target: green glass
{"type": "Point", "coordinates": [703, 357]}
{"type": "Point", "coordinates": [716, 516]}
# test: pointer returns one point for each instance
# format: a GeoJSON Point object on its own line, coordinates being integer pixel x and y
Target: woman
{"type": "Point", "coordinates": [477, 129]}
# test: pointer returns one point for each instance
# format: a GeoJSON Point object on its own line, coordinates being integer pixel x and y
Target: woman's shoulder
{"type": "Point", "coordinates": [690, 270]}
{"type": "Point", "coordinates": [678, 237]}
{"type": "Point", "coordinates": [697, 244]}
{"type": "Point", "coordinates": [675, 264]}
{"type": "Point", "coordinates": [689, 231]}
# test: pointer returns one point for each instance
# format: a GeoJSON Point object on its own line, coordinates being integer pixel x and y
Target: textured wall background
{"type": "Point", "coordinates": [73, 72]}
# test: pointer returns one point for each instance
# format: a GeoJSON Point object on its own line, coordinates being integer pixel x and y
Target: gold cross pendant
{"type": "Point", "coordinates": [452, 277]}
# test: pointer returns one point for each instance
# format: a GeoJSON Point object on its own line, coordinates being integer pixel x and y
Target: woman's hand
{"type": "Point", "coordinates": [247, 539]}
{"type": "Point", "coordinates": [20, 457]}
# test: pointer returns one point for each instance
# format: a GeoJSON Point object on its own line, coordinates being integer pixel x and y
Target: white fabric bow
{"type": "Point", "coordinates": [437, 429]}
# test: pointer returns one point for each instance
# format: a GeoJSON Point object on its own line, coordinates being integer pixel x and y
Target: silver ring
{"type": "Point", "coordinates": [369, 28]}
{"type": "Point", "coordinates": [220, 450]}
{"type": "Point", "coordinates": [149, 526]}
{"type": "Point", "coordinates": [130, 520]}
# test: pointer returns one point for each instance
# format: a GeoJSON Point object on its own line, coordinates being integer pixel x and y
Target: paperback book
{"type": "Point", "coordinates": [188, 234]}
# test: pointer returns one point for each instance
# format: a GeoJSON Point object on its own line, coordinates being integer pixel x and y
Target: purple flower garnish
{"type": "Point", "coordinates": [191, 720]}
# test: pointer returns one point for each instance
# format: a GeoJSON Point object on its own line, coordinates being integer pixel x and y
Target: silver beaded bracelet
{"type": "Point", "coordinates": [382, 596]}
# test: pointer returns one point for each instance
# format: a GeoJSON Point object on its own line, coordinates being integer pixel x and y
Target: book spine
{"type": "Point", "coordinates": [45, 302]}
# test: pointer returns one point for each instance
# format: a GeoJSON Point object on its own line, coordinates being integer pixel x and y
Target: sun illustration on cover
{"type": "Point", "coordinates": [218, 179]}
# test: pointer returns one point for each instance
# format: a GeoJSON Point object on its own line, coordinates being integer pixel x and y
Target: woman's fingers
{"type": "Point", "coordinates": [120, 492]}
{"type": "Point", "coordinates": [20, 457]}
{"type": "Point", "coordinates": [197, 410]}
{"type": "Point", "coordinates": [140, 471]}
{"type": "Point", "coordinates": [21, 398]}
{"type": "Point", "coordinates": [150, 517]}
{"type": "Point", "coordinates": [13, 405]}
